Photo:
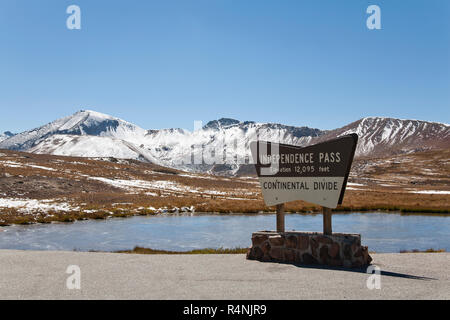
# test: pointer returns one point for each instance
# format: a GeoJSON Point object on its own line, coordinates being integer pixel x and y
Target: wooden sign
{"type": "Point", "coordinates": [317, 174]}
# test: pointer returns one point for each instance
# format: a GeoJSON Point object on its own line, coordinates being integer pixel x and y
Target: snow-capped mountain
{"type": "Point", "coordinates": [84, 122]}
{"type": "Point", "coordinates": [5, 135]}
{"type": "Point", "coordinates": [92, 134]}
{"type": "Point", "coordinates": [228, 135]}
{"type": "Point", "coordinates": [388, 136]}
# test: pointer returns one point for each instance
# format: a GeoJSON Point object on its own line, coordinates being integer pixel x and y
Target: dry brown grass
{"type": "Point", "coordinates": [139, 250]}
{"type": "Point", "coordinates": [423, 251]}
{"type": "Point", "coordinates": [68, 180]}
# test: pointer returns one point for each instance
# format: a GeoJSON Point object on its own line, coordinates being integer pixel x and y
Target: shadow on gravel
{"type": "Point", "coordinates": [357, 270]}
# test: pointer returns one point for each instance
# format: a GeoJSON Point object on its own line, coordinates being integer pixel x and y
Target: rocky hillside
{"type": "Point", "coordinates": [388, 136]}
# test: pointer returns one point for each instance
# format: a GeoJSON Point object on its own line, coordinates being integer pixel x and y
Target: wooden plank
{"type": "Point", "coordinates": [280, 217]}
{"type": "Point", "coordinates": [327, 221]}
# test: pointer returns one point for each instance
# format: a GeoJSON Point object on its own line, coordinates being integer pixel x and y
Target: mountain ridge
{"type": "Point", "coordinates": [93, 134]}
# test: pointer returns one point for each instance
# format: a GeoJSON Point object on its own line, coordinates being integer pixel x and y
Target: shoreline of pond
{"type": "Point", "coordinates": [82, 216]}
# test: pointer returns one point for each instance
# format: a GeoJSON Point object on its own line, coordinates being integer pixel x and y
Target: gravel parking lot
{"type": "Point", "coordinates": [42, 275]}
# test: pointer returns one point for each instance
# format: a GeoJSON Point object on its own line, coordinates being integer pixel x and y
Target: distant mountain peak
{"type": "Point", "coordinates": [83, 122]}
{"type": "Point", "coordinates": [222, 122]}
{"type": "Point", "coordinates": [5, 135]}
{"type": "Point", "coordinates": [380, 136]}
{"type": "Point", "coordinates": [391, 119]}
{"type": "Point", "coordinates": [94, 114]}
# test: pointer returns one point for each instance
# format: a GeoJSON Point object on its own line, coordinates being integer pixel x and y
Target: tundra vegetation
{"type": "Point", "coordinates": [45, 188]}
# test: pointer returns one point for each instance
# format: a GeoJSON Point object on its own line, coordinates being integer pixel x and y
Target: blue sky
{"type": "Point", "coordinates": [167, 63]}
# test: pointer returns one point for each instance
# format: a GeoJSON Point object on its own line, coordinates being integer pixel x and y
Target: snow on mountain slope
{"type": "Point", "coordinates": [5, 135]}
{"type": "Point", "coordinates": [91, 146]}
{"type": "Point", "coordinates": [84, 122]}
{"type": "Point", "coordinates": [92, 134]}
{"type": "Point", "coordinates": [167, 147]}
{"type": "Point", "coordinates": [229, 136]}
{"type": "Point", "coordinates": [388, 136]}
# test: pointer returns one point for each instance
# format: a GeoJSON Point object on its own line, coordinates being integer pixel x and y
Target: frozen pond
{"type": "Point", "coordinates": [382, 232]}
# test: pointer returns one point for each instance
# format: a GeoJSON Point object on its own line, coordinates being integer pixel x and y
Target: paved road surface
{"type": "Point", "coordinates": [42, 275]}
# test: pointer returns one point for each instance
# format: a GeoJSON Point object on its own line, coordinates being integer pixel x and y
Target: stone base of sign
{"type": "Point", "coordinates": [337, 250]}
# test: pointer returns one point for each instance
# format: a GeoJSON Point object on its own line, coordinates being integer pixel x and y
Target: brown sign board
{"type": "Point", "coordinates": [317, 174]}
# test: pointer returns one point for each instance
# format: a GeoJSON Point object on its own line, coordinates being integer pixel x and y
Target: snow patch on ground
{"type": "Point", "coordinates": [431, 192]}
{"type": "Point", "coordinates": [142, 184]}
{"type": "Point", "coordinates": [29, 206]}
{"type": "Point", "coordinates": [40, 167]}
{"type": "Point", "coordinates": [163, 185]}
{"type": "Point", "coordinates": [13, 164]}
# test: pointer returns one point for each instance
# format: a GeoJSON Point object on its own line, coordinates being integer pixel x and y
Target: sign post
{"type": "Point", "coordinates": [280, 217]}
{"type": "Point", "coordinates": [327, 221]}
{"type": "Point", "coordinates": [316, 174]}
